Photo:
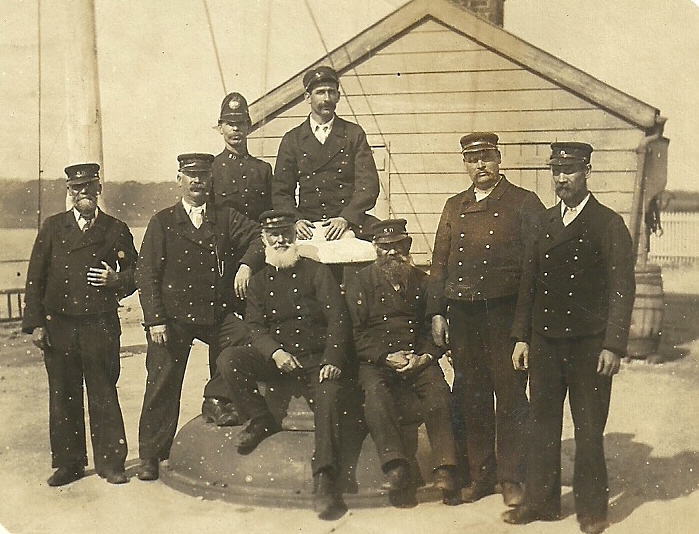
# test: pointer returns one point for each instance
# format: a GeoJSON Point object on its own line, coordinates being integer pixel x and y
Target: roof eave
{"type": "Point", "coordinates": [491, 37]}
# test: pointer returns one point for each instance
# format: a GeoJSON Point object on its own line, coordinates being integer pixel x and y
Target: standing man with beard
{"type": "Point", "coordinates": [81, 265]}
{"type": "Point", "coordinates": [572, 327]}
{"type": "Point", "coordinates": [397, 357]}
{"type": "Point", "coordinates": [330, 161]}
{"type": "Point", "coordinates": [244, 183]}
{"type": "Point", "coordinates": [476, 270]}
{"type": "Point", "coordinates": [186, 274]}
{"type": "Point", "coordinates": [300, 331]}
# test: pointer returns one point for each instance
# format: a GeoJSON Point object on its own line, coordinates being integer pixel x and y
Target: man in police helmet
{"type": "Point", "coordinates": [244, 183]}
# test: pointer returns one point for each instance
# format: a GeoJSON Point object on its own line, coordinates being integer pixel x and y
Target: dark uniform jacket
{"type": "Point", "coordinates": [243, 183]}
{"type": "Point", "coordinates": [338, 178]}
{"type": "Point", "coordinates": [479, 246]}
{"type": "Point", "coordinates": [386, 320]}
{"type": "Point", "coordinates": [301, 310]}
{"type": "Point", "coordinates": [581, 281]}
{"type": "Point", "coordinates": [186, 273]}
{"type": "Point", "coordinates": [60, 260]}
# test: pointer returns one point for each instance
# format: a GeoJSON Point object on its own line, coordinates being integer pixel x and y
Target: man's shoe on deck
{"type": "Point", "coordinates": [114, 476]}
{"type": "Point", "coordinates": [512, 493]}
{"type": "Point", "coordinates": [257, 430]}
{"type": "Point", "coordinates": [476, 491]}
{"type": "Point", "coordinates": [592, 526]}
{"type": "Point", "coordinates": [149, 469]}
{"type": "Point", "coordinates": [327, 501]}
{"type": "Point", "coordinates": [523, 515]}
{"type": "Point", "coordinates": [219, 411]}
{"type": "Point", "coordinates": [66, 475]}
{"type": "Point", "coordinates": [397, 476]}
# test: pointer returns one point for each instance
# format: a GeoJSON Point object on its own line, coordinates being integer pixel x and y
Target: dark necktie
{"type": "Point", "coordinates": [86, 222]}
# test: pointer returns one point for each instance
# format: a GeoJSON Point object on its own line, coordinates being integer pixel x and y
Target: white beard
{"type": "Point", "coordinates": [282, 259]}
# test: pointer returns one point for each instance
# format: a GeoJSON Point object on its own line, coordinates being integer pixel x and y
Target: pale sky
{"type": "Point", "coordinates": [160, 87]}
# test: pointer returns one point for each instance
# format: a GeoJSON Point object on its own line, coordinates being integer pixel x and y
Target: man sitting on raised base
{"type": "Point", "coordinates": [299, 331]}
{"type": "Point", "coordinates": [398, 358]}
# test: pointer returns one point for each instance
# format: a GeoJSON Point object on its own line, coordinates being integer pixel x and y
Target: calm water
{"type": "Point", "coordinates": [15, 249]}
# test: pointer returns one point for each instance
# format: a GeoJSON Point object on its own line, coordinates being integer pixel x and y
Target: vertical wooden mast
{"type": "Point", "coordinates": [83, 119]}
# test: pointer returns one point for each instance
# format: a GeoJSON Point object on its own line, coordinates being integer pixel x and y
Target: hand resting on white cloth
{"type": "Point", "coordinates": [347, 249]}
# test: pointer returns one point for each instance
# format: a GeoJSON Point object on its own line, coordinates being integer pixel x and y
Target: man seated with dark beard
{"type": "Point", "coordinates": [397, 357]}
{"type": "Point", "coordinates": [299, 331]}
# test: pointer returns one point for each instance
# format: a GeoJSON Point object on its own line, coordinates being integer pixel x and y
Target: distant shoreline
{"type": "Point", "coordinates": [16, 248]}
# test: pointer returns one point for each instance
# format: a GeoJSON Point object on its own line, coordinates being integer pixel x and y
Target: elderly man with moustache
{"type": "Point", "coordinates": [186, 276]}
{"type": "Point", "coordinates": [398, 358]}
{"type": "Point", "coordinates": [476, 268]}
{"type": "Point", "coordinates": [300, 331]}
{"type": "Point", "coordinates": [81, 265]}
{"type": "Point", "coordinates": [572, 326]}
{"type": "Point", "coordinates": [330, 161]}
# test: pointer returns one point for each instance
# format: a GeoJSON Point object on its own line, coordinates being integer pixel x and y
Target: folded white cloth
{"type": "Point", "coordinates": [347, 249]}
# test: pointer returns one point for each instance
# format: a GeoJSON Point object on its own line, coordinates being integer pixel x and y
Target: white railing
{"type": "Point", "coordinates": [679, 242]}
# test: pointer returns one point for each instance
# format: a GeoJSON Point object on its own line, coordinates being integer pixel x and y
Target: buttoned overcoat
{"type": "Point", "coordinates": [185, 273]}
{"type": "Point", "coordinates": [242, 182]}
{"type": "Point", "coordinates": [301, 310]}
{"type": "Point", "coordinates": [60, 260]}
{"type": "Point", "coordinates": [479, 246]}
{"type": "Point", "coordinates": [338, 178]}
{"type": "Point", "coordinates": [580, 279]}
{"type": "Point", "coordinates": [385, 320]}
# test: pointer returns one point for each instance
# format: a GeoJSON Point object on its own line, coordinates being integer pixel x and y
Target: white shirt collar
{"type": "Point", "coordinates": [575, 209]}
{"type": "Point", "coordinates": [315, 125]}
{"type": "Point", "coordinates": [78, 215]}
{"type": "Point", "coordinates": [188, 208]}
{"type": "Point", "coordinates": [483, 193]}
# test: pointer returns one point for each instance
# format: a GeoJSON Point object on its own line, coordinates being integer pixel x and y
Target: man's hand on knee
{"type": "Point", "coordinates": [329, 372]}
{"type": "Point", "coordinates": [285, 361]}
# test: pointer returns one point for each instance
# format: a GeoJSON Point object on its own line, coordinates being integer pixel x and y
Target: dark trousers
{"type": "Point", "coordinates": [482, 356]}
{"type": "Point", "coordinates": [557, 366]}
{"type": "Point", "coordinates": [243, 367]}
{"type": "Point", "coordinates": [232, 332]}
{"type": "Point", "coordinates": [166, 365]}
{"type": "Point", "coordinates": [384, 401]}
{"type": "Point", "coordinates": [85, 347]}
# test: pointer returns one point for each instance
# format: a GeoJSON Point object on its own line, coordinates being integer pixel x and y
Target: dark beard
{"type": "Point", "coordinates": [394, 269]}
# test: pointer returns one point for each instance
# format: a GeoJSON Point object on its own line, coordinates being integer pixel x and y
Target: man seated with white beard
{"type": "Point", "coordinates": [398, 357]}
{"type": "Point", "coordinates": [299, 331]}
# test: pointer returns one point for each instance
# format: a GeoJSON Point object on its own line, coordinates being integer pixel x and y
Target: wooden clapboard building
{"type": "Point", "coordinates": [433, 70]}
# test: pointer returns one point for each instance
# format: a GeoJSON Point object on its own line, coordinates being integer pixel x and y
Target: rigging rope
{"type": "Point", "coordinates": [213, 42]}
{"type": "Point", "coordinates": [39, 171]}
